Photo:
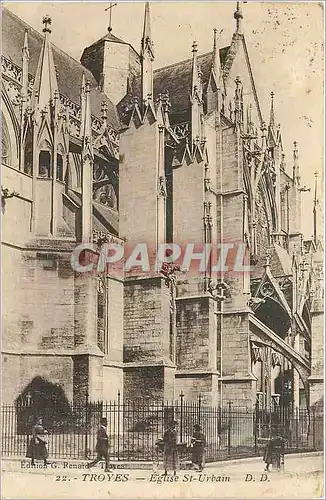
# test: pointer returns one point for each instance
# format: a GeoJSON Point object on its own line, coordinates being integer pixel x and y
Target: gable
{"type": "Point", "coordinates": [238, 64]}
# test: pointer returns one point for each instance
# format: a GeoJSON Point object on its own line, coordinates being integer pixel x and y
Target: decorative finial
{"type": "Point", "coordinates": [104, 109]}
{"type": "Point", "coordinates": [47, 21]}
{"type": "Point", "coordinates": [272, 117]}
{"type": "Point", "coordinates": [267, 259]}
{"type": "Point", "coordinates": [194, 47]}
{"type": "Point", "coordinates": [316, 189]}
{"type": "Point", "coordinates": [283, 164]}
{"type": "Point", "coordinates": [25, 50]}
{"type": "Point", "coordinates": [238, 16]}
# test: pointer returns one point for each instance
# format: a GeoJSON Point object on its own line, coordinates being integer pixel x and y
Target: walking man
{"type": "Point", "coordinates": [102, 446]}
{"type": "Point", "coordinates": [171, 455]}
{"type": "Point", "coordinates": [198, 442]}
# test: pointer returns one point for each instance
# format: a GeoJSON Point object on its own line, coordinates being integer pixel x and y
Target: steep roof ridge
{"type": "Point", "coordinates": [189, 59]}
{"type": "Point", "coordinates": [36, 32]}
{"type": "Point", "coordinates": [59, 53]}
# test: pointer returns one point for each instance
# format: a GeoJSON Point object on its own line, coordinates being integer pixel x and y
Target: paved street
{"type": "Point", "coordinates": [303, 478]}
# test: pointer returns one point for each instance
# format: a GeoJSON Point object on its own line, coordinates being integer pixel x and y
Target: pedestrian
{"type": "Point", "coordinates": [102, 446]}
{"type": "Point", "coordinates": [36, 449]}
{"type": "Point", "coordinates": [268, 455]}
{"type": "Point", "coordinates": [278, 452]}
{"type": "Point", "coordinates": [274, 452]}
{"type": "Point", "coordinates": [171, 455]}
{"type": "Point", "coordinates": [198, 444]}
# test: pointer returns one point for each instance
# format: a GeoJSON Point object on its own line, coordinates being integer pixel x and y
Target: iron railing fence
{"type": "Point", "coordinates": [134, 428]}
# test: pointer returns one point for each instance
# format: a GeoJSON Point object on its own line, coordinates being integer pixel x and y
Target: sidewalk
{"type": "Point", "coordinates": [243, 478]}
{"type": "Point", "coordinates": [292, 460]}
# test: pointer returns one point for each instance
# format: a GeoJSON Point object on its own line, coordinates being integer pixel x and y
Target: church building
{"type": "Point", "coordinates": [110, 150]}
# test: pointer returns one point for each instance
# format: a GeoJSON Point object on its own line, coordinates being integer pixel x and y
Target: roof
{"type": "Point", "coordinates": [109, 37]}
{"type": "Point", "coordinates": [280, 263]}
{"type": "Point", "coordinates": [69, 71]}
{"type": "Point", "coordinates": [176, 80]}
{"type": "Point", "coordinates": [104, 219]}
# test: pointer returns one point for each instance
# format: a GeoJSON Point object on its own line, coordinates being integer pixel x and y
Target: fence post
{"type": "Point", "coordinates": [313, 429]}
{"type": "Point", "coordinates": [181, 416]}
{"type": "Point", "coordinates": [86, 426]}
{"type": "Point", "coordinates": [118, 440]}
{"type": "Point", "coordinates": [255, 424]}
{"type": "Point", "coordinates": [297, 415]}
{"type": "Point", "coordinates": [199, 408]}
{"type": "Point", "coordinates": [229, 427]}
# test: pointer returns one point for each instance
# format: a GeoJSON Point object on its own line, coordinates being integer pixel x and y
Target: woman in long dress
{"type": "Point", "coordinates": [198, 442]}
{"type": "Point", "coordinates": [37, 446]}
{"type": "Point", "coordinates": [171, 455]}
{"type": "Point", "coordinates": [274, 452]}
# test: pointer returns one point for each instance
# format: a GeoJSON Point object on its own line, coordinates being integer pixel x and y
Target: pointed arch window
{"type": "Point", "coordinates": [44, 165]}
{"type": "Point", "coordinates": [59, 167]}
{"type": "Point", "coordinates": [45, 159]}
{"type": "Point", "coordinates": [5, 142]}
{"type": "Point", "coordinates": [60, 156]}
{"type": "Point", "coordinates": [28, 153]}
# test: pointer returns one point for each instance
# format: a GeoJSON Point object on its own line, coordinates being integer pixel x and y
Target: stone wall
{"type": "Point", "coordinates": [146, 320]}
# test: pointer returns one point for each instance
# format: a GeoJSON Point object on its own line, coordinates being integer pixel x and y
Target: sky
{"type": "Point", "coordinates": [285, 44]}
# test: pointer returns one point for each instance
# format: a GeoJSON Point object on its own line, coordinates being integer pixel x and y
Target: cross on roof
{"type": "Point", "coordinates": [109, 8]}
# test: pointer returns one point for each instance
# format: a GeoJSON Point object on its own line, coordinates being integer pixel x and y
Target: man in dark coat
{"type": "Point", "coordinates": [171, 455]}
{"type": "Point", "coordinates": [198, 443]}
{"type": "Point", "coordinates": [102, 446]}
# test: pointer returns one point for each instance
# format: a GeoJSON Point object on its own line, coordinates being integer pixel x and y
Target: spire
{"type": "Point", "coordinates": [283, 162]}
{"type": "Point", "coordinates": [263, 129]}
{"type": "Point", "coordinates": [45, 84]}
{"type": "Point", "coordinates": [25, 49]}
{"type": "Point", "coordinates": [272, 115]}
{"type": "Point", "coordinates": [82, 103]}
{"type": "Point", "coordinates": [194, 80]}
{"type": "Point", "coordinates": [238, 17]}
{"type": "Point", "coordinates": [296, 171]}
{"type": "Point", "coordinates": [216, 60]}
{"type": "Point", "coordinates": [195, 96]}
{"type": "Point", "coordinates": [87, 165]}
{"type": "Point", "coordinates": [315, 205]}
{"type": "Point", "coordinates": [104, 113]}
{"type": "Point", "coordinates": [146, 58]}
{"type": "Point", "coordinates": [25, 59]}
{"type": "Point", "coordinates": [273, 133]}
{"type": "Point", "coordinates": [86, 124]}
{"type": "Point", "coordinates": [279, 141]}
{"type": "Point", "coordinates": [238, 103]}
{"type": "Point", "coordinates": [147, 38]}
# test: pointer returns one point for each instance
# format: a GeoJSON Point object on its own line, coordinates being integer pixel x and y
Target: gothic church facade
{"type": "Point", "coordinates": [111, 150]}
